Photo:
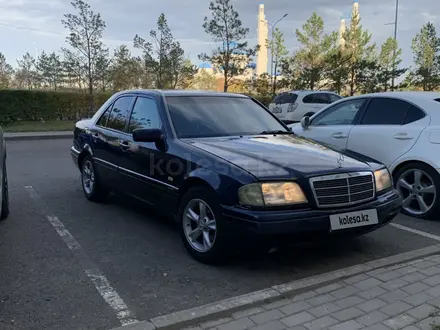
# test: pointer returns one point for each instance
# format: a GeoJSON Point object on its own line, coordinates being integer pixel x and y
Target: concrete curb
{"type": "Point", "coordinates": [27, 136]}
{"type": "Point", "coordinates": [196, 315]}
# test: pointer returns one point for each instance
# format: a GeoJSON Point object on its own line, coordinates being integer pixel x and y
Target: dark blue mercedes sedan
{"type": "Point", "coordinates": [226, 168]}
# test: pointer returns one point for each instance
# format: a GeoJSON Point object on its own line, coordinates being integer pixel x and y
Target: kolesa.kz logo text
{"type": "Point", "coordinates": [356, 219]}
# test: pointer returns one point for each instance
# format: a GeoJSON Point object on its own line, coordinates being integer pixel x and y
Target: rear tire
{"type": "Point", "coordinates": [204, 232]}
{"type": "Point", "coordinates": [5, 192]}
{"type": "Point", "coordinates": [93, 188]}
{"type": "Point", "coordinates": [419, 184]}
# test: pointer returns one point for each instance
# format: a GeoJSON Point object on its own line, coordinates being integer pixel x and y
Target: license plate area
{"type": "Point", "coordinates": [355, 219]}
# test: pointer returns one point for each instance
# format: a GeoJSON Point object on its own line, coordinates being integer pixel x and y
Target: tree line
{"type": "Point", "coordinates": [348, 63]}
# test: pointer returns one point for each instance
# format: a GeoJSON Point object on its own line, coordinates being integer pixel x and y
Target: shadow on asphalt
{"type": "Point", "coordinates": [269, 258]}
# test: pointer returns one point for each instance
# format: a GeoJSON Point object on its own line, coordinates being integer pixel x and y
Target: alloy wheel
{"type": "Point", "coordinates": [199, 225]}
{"type": "Point", "coordinates": [88, 177]}
{"type": "Point", "coordinates": [418, 191]}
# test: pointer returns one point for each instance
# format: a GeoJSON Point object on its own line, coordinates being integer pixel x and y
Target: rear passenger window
{"type": "Point", "coordinates": [291, 98]}
{"type": "Point", "coordinates": [334, 98]}
{"type": "Point", "coordinates": [285, 98]}
{"type": "Point", "coordinates": [317, 98]}
{"type": "Point", "coordinates": [322, 98]}
{"type": "Point", "coordinates": [118, 115]}
{"type": "Point", "coordinates": [413, 114]}
{"type": "Point", "coordinates": [385, 111]}
{"type": "Point", "coordinates": [309, 98]}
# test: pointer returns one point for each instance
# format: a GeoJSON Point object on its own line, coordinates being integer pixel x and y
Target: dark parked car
{"type": "Point", "coordinates": [226, 167]}
{"type": "Point", "coordinates": [4, 192]}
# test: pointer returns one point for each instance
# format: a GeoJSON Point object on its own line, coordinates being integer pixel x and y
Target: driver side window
{"type": "Point", "coordinates": [341, 114]}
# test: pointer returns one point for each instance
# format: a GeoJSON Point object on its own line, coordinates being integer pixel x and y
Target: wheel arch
{"type": "Point", "coordinates": [191, 182]}
{"type": "Point", "coordinates": [396, 168]}
{"type": "Point", "coordinates": [85, 151]}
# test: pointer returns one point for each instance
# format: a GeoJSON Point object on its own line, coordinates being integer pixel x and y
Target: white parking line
{"type": "Point", "coordinates": [107, 292]}
{"type": "Point", "coordinates": [415, 231]}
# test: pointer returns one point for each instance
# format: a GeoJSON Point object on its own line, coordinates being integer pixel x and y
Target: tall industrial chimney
{"type": "Point", "coordinates": [355, 12]}
{"type": "Point", "coordinates": [262, 35]}
{"type": "Point", "coordinates": [342, 28]}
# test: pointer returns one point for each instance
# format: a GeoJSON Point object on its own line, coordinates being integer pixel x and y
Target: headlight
{"type": "Point", "coordinates": [271, 194]}
{"type": "Point", "coordinates": [383, 179]}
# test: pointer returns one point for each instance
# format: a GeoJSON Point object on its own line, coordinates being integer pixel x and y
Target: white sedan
{"type": "Point", "coordinates": [399, 129]}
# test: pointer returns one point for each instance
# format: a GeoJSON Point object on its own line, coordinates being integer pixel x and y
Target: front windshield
{"type": "Point", "coordinates": [209, 116]}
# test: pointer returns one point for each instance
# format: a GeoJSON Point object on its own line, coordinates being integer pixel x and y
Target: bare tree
{"type": "Point", "coordinates": [86, 29]}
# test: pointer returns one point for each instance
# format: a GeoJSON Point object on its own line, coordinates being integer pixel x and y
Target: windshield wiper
{"type": "Point", "coordinates": [277, 132]}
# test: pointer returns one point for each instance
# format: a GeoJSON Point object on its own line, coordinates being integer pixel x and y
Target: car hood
{"type": "Point", "coordinates": [279, 156]}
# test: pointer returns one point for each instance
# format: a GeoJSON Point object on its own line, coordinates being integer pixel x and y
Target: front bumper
{"type": "Point", "coordinates": [75, 154]}
{"type": "Point", "coordinates": [312, 222]}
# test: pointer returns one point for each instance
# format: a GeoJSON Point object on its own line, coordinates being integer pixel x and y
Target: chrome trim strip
{"type": "Point", "coordinates": [339, 176]}
{"type": "Point", "coordinates": [342, 176]}
{"type": "Point", "coordinates": [99, 160]}
{"type": "Point", "coordinates": [135, 173]}
{"type": "Point", "coordinates": [74, 151]}
{"type": "Point", "coordinates": [148, 178]}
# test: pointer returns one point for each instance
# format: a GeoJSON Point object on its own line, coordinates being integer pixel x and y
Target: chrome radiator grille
{"type": "Point", "coordinates": [343, 189]}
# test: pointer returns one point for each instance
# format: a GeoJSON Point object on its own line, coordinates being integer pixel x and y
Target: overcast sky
{"type": "Point", "coordinates": [34, 25]}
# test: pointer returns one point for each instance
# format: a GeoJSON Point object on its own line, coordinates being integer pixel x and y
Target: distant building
{"type": "Point", "coordinates": [262, 37]}
{"type": "Point", "coordinates": [343, 25]}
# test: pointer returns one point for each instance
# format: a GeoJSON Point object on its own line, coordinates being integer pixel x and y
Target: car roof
{"type": "Point", "coordinates": [426, 100]}
{"type": "Point", "coordinates": [407, 95]}
{"type": "Point", "coordinates": [305, 92]}
{"type": "Point", "coordinates": [177, 92]}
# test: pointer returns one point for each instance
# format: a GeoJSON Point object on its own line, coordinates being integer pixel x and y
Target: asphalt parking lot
{"type": "Point", "coordinates": [134, 254]}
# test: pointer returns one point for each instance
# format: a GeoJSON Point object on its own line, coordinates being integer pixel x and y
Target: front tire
{"type": "Point", "coordinates": [5, 195]}
{"type": "Point", "coordinates": [419, 185]}
{"type": "Point", "coordinates": [93, 188]}
{"type": "Point", "coordinates": [204, 232]}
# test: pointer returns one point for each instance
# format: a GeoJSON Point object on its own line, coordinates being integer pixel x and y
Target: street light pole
{"type": "Point", "coordinates": [395, 44]}
{"type": "Point", "coordinates": [272, 47]}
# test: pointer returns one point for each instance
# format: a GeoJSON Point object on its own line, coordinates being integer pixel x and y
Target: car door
{"type": "Point", "coordinates": [333, 125]}
{"type": "Point", "coordinates": [308, 106]}
{"type": "Point", "coordinates": [107, 138]}
{"type": "Point", "coordinates": [145, 164]}
{"type": "Point", "coordinates": [388, 129]}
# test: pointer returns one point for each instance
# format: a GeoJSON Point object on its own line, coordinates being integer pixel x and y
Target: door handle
{"type": "Point", "coordinates": [339, 135]}
{"type": "Point", "coordinates": [124, 144]}
{"type": "Point", "coordinates": [95, 135]}
{"type": "Point", "coordinates": [402, 136]}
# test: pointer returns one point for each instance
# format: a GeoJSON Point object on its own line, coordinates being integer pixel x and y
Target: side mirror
{"type": "Point", "coordinates": [147, 135]}
{"type": "Point", "coordinates": [305, 122]}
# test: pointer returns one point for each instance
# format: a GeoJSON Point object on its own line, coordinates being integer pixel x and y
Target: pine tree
{"type": "Point", "coordinates": [6, 72]}
{"type": "Point", "coordinates": [27, 71]}
{"type": "Point", "coordinates": [124, 70]}
{"type": "Point", "coordinates": [389, 60]}
{"type": "Point", "coordinates": [232, 55]}
{"type": "Point", "coordinates": [279, 50]}
{"type": "Point", "coordinates": [314, 45]}
{"type": "Point", "coordinates": [85, 38]}
{"type": "Point", "coordinates": [360, 53]}
{"type": "Point", "coordinates": [50, 70]}
{"type": "Point", "coordinates": [426, 50]}
{"type": "Point", "coordinates": [164, 58]}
